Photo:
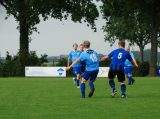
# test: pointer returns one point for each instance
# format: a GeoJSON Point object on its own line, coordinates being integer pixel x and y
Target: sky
{"type": "Point", "coordinates": [55, 37]}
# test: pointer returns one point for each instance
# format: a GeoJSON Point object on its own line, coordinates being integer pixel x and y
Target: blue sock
{"type": "Point", "coordinates": [83, 89]}
{"type": "Point", "coordinates": [112, 84]}
{"type": "Point", "coordinates": [75, 79]}
{"type": "Point", "coordinates": [91, 85]}
{"type": "Point", "coordinates": [123, 88]}
{"type": "Point", "coordinates": [77, 82]}
{"type": "Point", "coordinates": [129, 80]}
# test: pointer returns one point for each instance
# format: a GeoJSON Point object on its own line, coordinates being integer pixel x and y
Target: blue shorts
{"type": "Point", "coordinates": [158, 71]}
{"type": "Point", "coordinates": [128, 70]}
{"type": "Point", "coordinates": [90, 75]}
{"type": "Point", "coordinates": [77, 70]}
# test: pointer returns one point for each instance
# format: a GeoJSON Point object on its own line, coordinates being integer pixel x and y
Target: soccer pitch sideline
{"type": "Point", "coordinates": [58, 98]}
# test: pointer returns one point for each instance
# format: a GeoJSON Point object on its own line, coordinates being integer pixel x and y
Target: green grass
{"type": "Point", "coordinates": [57, 98]}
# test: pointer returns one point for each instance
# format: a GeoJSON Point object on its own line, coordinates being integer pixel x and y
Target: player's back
{"type": "Point", "coordinates": [91, 59]}
{"type": "Point", "coordinates": [119, 56]}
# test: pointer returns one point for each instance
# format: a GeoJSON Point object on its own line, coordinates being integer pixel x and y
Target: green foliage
{"type": "Point", "coordinates": [57, 9]}
{"type": "Point", "coordinates": [11, 65]}
{"type": "Point", "coordinates": [124, 22]}
{"type": "Point", "coordinates": [105, 64]}
{"type": "Point", "coordinates": [136, 21]}
{"type": "Point", "coordinates": [143, 69]}
{"type": "Point", "coordinates": [29, 12]}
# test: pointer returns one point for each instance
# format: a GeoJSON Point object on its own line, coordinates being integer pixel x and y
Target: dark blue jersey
{"type": "Point", "coordinates": [119, 56]}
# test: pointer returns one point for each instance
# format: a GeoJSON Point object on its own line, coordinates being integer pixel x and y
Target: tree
{"type": "Point", "coordinates": [29, 12]}
{"type": "Point", "coordinates": [151, 9]}
{"type": "Point", "coordinates": [149, 13]}
{"type": "Point", "coordinates": [133, 29]}
{"type": "Point", "coordinates": [43, 59]}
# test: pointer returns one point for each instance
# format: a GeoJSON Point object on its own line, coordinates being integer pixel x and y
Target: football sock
{"type": "Point", "coordinates": [112, 84]}
{"type": "Point", "coordinates": [75, 79]}
{"type": "Point", "coordinates": [123, 89]}
{"type": "Point", "coordinates": [129, 80]}
{"type": "Point", "coordinates": [91, 85]}
{"type": "Point", "coordinates": [77, 82]}
{"type": "Point", "coordinates": [83, 89]}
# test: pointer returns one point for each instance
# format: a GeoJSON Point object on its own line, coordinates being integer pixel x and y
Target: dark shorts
{"type": "Point", "coordinates": [120, 75]}
{"type": "Point", "coordinates": [90, 75]}
{"type": "Point", "coordinates": [83, 69]}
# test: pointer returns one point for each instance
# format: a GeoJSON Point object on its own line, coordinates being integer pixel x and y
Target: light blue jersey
{"type": "Point", "coordinates": [127, 62]}
{"type": "Point", "coordinates": [91, 59]}
{"type": "Point", "coordinates": [74, 55]}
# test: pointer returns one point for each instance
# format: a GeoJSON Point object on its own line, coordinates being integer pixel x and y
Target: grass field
{"type": "Point", "coordinates": [57, 98]}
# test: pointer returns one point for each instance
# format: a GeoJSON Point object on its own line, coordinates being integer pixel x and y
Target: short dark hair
{"type": "Point", "coordinates": [121, 43]}
{"type": "Point", "coordinates": [75, 44]}
{"type": "Point", "coordinates": [86, 44]}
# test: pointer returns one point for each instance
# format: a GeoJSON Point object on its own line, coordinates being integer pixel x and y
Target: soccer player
{"type": "Point", "coordinates": [128, 68]}
{"type": "Point", "coordinates": [81, 47]}
{"type": "Point", "coordinates": [91, 58]}
{"type": "Point", "coordinates": [73, 56]}
{"type": "Point", "coordinates": [83, 64]}
{"type": "Point", "coordinates": [118, 57]}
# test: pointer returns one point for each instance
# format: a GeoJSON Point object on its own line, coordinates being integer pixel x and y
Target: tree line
{"type": "Point", "coordinates": [136, 21]}
{"type": "Point", "coordinates": [10, 66]}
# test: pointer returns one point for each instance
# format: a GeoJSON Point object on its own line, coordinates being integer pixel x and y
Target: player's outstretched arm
{"type": "Point", "coordinates": [103, 58]}
{"type": "Point", "coordinates": [75, 62]}
{"type": "Point", "coordinates": [134, 62]}
{"type": "Point", "coordinates": [68, 61]}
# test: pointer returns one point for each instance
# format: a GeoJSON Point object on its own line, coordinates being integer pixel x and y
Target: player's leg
{"type": "Point", "coordinates": [123, 89]}
{"type": "Point", "coordinates": [127, 73]}
{"type": "Point", "coordinates": [78, 80]}
{"type": "Point", "coordinates": [75, 73]}
{"type": "Point", "coordinates": [111, 76]}
{"type": "Point", "coordinates": [131, 72]}
{"type": "Point", "coordinates": [121, 79]}
{"type": "Point", "coordinates": [130, 78]}
{"type": "Point", "coordinates": [93, 76]}
{"type": "Point", "coordinates": [74, 80]}
{"type": "Point", "coordinates": [84, 80]}
{"type": "Point", "coordinates": [78, 76]}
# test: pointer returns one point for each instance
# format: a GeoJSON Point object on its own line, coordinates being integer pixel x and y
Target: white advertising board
{"type": "Point", "coordinates": [45, 72]}
{"type": "Point", "coordinates": [103, 72]}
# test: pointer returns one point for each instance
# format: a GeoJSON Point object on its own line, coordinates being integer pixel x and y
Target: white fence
{"type": "Point", "coordinates": [45, 72]}
{"type": "Point", "coordinates": [56, 72]}
{"type": "Point", "coordinates": [103, 72]}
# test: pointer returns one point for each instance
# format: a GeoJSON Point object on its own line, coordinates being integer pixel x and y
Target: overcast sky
{"type": "Point", "coordinates": [55, 37]}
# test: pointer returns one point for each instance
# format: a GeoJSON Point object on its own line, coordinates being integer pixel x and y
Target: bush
{"type": "Point", "coordinates": [10, 66]}
{"type": "Point", "coordinates": [143, 69]}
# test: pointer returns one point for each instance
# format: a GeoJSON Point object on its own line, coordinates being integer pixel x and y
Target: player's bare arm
{"type": "Point", "coordinates": [75, 62]}
{"type": "Point", "coordinates": [68, 61]}
{"type": "Point", "coordinates": [104, 58]}
{"type": "Point", "coordinates": [134, 62]}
